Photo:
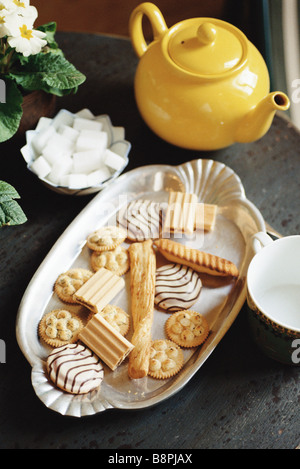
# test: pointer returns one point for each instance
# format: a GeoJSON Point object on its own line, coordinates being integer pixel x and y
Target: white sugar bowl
{"type": "Point", "coordinates": [76, 154]}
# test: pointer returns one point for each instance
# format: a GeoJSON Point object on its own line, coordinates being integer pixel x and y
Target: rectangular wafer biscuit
{"type": "Point", "coordinates": [205, 216]}
{"type": "Point", "coordinates": [105, 341]}
{"type": "Point", "coordinates": [99, 290]}
{"type": "Point", "coordinates": [181, 212]}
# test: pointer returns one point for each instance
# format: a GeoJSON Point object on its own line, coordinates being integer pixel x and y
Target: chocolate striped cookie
{"type": "Point", "coordinates": [75, 369]}
{"type": "Point", "coordinates": [177, 287]}
{"type": "Point", "coordinates": [142, 219]}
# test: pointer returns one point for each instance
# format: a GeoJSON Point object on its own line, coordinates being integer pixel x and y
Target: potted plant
{"type": "Point", "coordinates": [30, 62]}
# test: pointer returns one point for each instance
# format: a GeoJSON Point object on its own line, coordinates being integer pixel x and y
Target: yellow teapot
{"type": "Point", "coordinates": [201, 84]}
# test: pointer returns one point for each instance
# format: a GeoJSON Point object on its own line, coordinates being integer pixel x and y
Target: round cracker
{"type": "Point", "coordinates": [187, 328]}
{"type": "Point", "coordinates": [117, 260]}
{"type": "Point", "coordinates": [60, 327]}
{"type": "Point", "coordinates": [166, 359]}
{"type": "Point", "coordinates": [106, 238]}
{"type": "Point", "coordinates": [116, 317]}
{"type": "Point", "coordinates": [69, 282]}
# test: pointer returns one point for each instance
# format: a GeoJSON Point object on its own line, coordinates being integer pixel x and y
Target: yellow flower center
{"type": "Point", "coordinates": [2, 20]}
{"type": "Point", "coordinates": [19, 3]}
{"type": "Point", "coordinates": [26, 33]}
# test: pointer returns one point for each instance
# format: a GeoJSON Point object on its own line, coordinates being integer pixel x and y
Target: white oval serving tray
{"type": "Point", "coordinates": [237, 220]}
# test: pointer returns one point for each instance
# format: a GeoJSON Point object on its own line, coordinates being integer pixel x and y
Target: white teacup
{"type": "Point", "coordinates": [273, 283]}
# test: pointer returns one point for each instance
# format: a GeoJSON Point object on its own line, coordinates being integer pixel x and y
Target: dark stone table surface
{"type": "Point", "coordinates": [239, 398]}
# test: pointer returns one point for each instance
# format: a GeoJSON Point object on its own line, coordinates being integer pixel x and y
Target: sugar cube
{"type": "Point", "coordinates": [85, 114]}
{"type": "Point", "coordinates": [40, 167]}
{"type": "Point", "coordinates": [90, 139]}
{"type": "Point", "coordinates": [86, 161]}
{"type": "Point", "coordinates": [43, 123]}
{"type": "Point", "coordinates": [68, 132]}
{"type": "Point", "coordinates": [63, 117]}
{"type": "Point", "coordinates": [112, 160]}
{"type": "Point", "coordinates": [41, 139]}
{"type": "Point", "coordinates": [99, 176]}
{"type": "Point", "coordinates": [86, 124]}
{"type": "Point", "coordinates": [119, 133]}
{"type": "Point", "coordinates": [76, 181]}
{"type": "Point", "coordinates": [59, 169]}
{"type": "Point", "coordinates": [57, 147]}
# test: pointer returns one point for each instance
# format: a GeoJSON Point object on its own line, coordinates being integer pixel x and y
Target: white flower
{"type": "Point", "coordinates": [11, 11]}
{"type": "Point", "coordinates": [5, 19]}
{"type": "Point", "coordinates": [23, 37]}
{"type": "Point", "coordinates": [23, 8]}
{"type": "Point", "coordinates": [7, 6]}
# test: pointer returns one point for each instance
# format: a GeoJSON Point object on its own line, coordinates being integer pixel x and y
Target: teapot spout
{"type": "Point", "coordinates": [259, 119]}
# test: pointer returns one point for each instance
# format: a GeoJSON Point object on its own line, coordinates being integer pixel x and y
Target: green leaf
{"type": "Point", "coordinates": [7, 192]}
{"type": "Point", "coordinates": [10, 112]}
{"type": "Point", "coordinates": [10, 211]}
{"type": "Point", "coordinates": [44, 71]}
{"type": "Point", "coordinates": [49, 29]}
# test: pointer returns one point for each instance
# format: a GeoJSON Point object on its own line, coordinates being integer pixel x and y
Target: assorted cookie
{"type": "Point", "coordinates": [59, 327]}
{"type": "Point", "coordinates": [187, 328]}
{"type": "Point", "coordinates": [69, 282]}
{"type": "Point", "coordinates": [99, 290]}
{"type": "Point", "coordinates": [166, 359]}
{"type": "Point", "coordinates": [106, 238]}
{"type": "Point", "coordinates": [142, 220]}
{"type": "Point", "coordinates": [116, 317]}
{"type": "Point", "coordinates": [78, 345]}
{"type": "Point", "coordinates": [200, 261]}
{"type": "Point", "coordinates": [75, 369]}
{"type": "Point", "coordinates": [177, 287]}
{"type": "Point", "coordinates": [105, 341]}
{"type": "Point", "coordinates": [117, 260]}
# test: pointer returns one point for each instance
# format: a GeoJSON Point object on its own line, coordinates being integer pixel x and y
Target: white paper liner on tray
{"type": "Point", "coordinates": [237, 220]}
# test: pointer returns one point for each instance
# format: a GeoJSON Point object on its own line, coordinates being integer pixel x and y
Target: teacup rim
{"type": "Point", "coordinates": [280, 324]}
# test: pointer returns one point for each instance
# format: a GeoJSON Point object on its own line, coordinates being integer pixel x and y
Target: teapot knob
{"type": "Point", "coordinates": [206, 33]}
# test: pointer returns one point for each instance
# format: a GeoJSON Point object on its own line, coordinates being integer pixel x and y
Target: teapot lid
{"type": "Point", "coordinates": [206, 46]}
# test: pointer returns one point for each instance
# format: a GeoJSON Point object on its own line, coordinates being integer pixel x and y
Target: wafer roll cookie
{"type": "Point", "coordinates": [99, 290]}
{"type": "Point", "coordinates": [181, 212]}
{"type": "Point", "coordinates": [105, 341]}
{"type": "Point", "coordinates": [198, 260]}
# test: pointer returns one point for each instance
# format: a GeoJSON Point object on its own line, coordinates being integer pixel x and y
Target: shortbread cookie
{"type": "Point", "coordinates": [142, 219]}
{"type": "Point", "coordinates": [75, 369]}
{"type": "Point", "coordinates": [60, 327]}
{"type": "Point", "coordinates": [187, 328]}
{"type": "Point", "coordinates": [116, 317]}
{"type": "Point", "coordinates": [69, 282]}
{"type": "Point", "coordinates": [106, 238]}
{"type": "Point", "coordinates": [200, 261]}
{"type": "Point", "coordinates": [166, 359]}
{"type": "Point", "coordinates": [117, 261]}
{"type": "Point", "coordinates": [177, 287]}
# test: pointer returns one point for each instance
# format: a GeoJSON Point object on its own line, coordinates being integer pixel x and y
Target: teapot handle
{"type": "Point", "coordinates": [136, 28]}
